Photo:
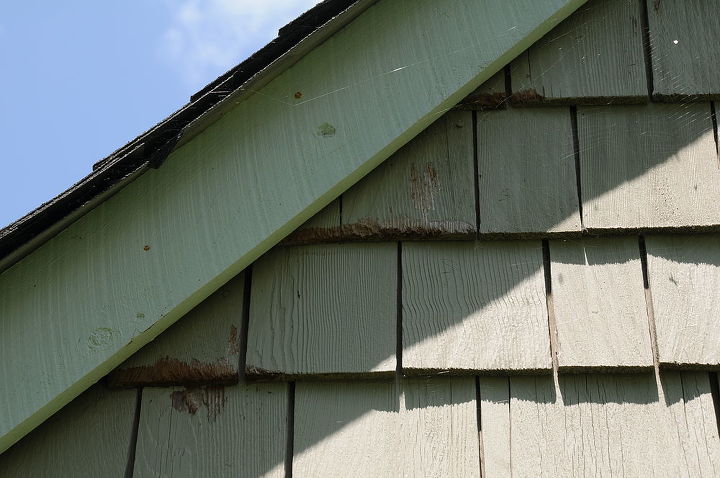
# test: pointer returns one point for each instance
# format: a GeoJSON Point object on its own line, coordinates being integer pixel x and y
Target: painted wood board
{"type": "Point", "coordinates": [426, 188]}
{"type": "Point", "coordinates": [202, 347]}
{"type": "Point", "coordinates": [324, 309]}
{"type": "Point", "coordinates": [90, 437]}
{"type": "Point", "coordinates": [322, 227]}
{"type": "Point", "coordinates": [474, 306]}
{"type": "Point", "coordinates": [685, 58]}
{"type": "Point", "coordinates": [684, 277]}
{"type": "Point", "coordinates": [599, 301]}
{"type": "Point", "coordinates": [494, 396]}
{"type": "Point", "coordinates": [490, 94]}
{"type": "Point", "coordinates": [239, 430]}
{"type": "Point", "coordinates": [174, 235]}
{"type": "Point", "coordinates": [422, 427]}
{"type": "Point", "coordinates": [526, 171]}
{"type": "Point", "coordinates": [650, 166]}
{"type": "Point", "coordinates": [593, 56]}
{"type": "Point", "coordinates": [606, 425]}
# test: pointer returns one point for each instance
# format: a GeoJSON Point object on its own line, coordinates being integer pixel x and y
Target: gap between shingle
{"type": "Point", "coordinates": [650, 313]}
{"type": "Point", "coordinates": [647, 48]}
{"type": "Point", "coordinates": [399, 312]}
{"type": "Point", "coordinates": [552, 325]}
{"type": "Point", "coordinates": [715, 393]}
{"type": "Point", "coordinates": [476, 166]}
{"type": "Point", "coordinates": [290, 441]}
{"type": "Point", "coordinates": [481, 447]}
{"type": "Point", "coordinates": [576, 155]}
{"type": "Point", "coordinates": [130, 466]}
{"type": "Point", "coordinates": [244, 334]}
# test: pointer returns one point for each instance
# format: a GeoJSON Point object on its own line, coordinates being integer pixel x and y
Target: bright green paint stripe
{"type": "Point", "coordinates": [90, 297]}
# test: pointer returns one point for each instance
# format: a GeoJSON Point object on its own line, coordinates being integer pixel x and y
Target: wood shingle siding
{"type": "Point", "coordinates": [526, 171]}
{"type": "Point", "coordinates": [474, 306]}
{"type": "Point", "coordinates": [649, 166]}
{"type": "Point", "coordinates": [90, 437]}
{"type": "Point", "coordinates": [426, 188]}
{"type": "Point", "coordinates": [684, 276]}
{"type": "Point", "coordinates": [594, 56]}
{"type": "Point", "coordinates": [324, 310]}
{"type": "Point", "coordinates": [599, 303]}
{"type": "Point", "coordinates": [413, 428]}
{"type": "Point", "coordinates": [684, 37]}
{"type": "Point", "coordinates": [213, 431]}
{"type": "Point", "coordinates": [600, 425]}
{"type": "Point", "coordinates": [204, 347]}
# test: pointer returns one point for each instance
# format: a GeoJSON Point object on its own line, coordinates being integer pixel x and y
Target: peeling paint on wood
{"type": "Point", "coordinates": [491, 94]}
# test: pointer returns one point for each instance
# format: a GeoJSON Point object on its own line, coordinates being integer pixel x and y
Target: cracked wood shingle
{"type": "Point", "coordinates": [474, 306]}
{"type": "Point", "coordinates": [324, 309]}
{"type": "Point", "coordinates": [601, 425]}
{"type": "Point", "coordinates": [684, 277]}
{"type": "Point", "coordinates": [417, 427]}
{"type": "Point", "coordinates": [526, 171]}
{"type": "Point", "coordinates": [599, 300]}
{"type": "Point", "coordinates": [238, 430]}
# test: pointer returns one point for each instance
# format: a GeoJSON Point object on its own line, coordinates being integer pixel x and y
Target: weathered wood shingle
{"type": "Point", "coordinates": [91, 436]}
{"type": "Point", "coordinates": [684, 277]}
{"type": "Point", "coordinates": [684, 35]}
{"type": "Point", "coordinates": [595, 55]}
{"type": "Point", "coordinates": [324, 310]}
{"type": "Point", "coordinates": [426, 188]}
{"type": "Point", "coordinates": [526, 171]}
{"type": "Point", "coordinates": [202, 347]}
{"type": "Point", "coordinates": [599, 302]}
{"type": "Point", "coordinates": [600, 425]}
{"type": "Point", "coordinates": [356, 429]}
{"type": "Point", "coordinates": [239, 430]}
{"type": "Point", "coordinates": [650, 166]}
{"type": "Point", "coordinates": [474, 306]}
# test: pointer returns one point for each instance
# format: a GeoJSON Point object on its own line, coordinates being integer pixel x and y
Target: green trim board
{"type": "Point", "coordinates": [173, 236]}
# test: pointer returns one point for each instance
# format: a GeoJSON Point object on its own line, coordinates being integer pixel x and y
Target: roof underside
{"type": "Point", "coordinates": [529, 288]}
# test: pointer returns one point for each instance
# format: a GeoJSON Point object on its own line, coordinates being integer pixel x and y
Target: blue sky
{"type": "Point", "coordinates": [80, 78]}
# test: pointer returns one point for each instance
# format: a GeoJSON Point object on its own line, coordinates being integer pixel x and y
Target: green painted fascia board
{"type": "Point", "coordinates": [112, 281]}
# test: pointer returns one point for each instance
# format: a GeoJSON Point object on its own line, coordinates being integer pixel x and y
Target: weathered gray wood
{"type": "Point", "coordinates": [90, 437]}
{"type": "Point", "coordinates": [235, 190]}
{"type": "Point", "coordinates": [474, 306]}
{"type": "Point", "coordinates": [599, 300]}
{"type": "Point", "coordinates": [683, 39]}
{"type": "Point", "coordinates": [684, 275]}
{"type": "Point", "coordinates": [648, 166]}
{"type": "Point", "coordinates": [424, 188]}
{"type": "Point", "coordinates": [234, 431]}
{"type": "Point", "coordinates": [595, 55]}
{"type": "Point", "coordinates": [202, 347]}
{"type": "Point", "coordinates": [419, 428]}
{"type": "Point", "coordinates": [324, 309]}
{"type": "Point", "coordinates": [490, 94]}
{"type": "Point", "coordinates": [607, 425]}
{"type": "Point", "coordinates": [495, 425]}
{"type": "Point", "coordinates": [322, 227]}
{"type": "Point", "coordinates": [526, 171]}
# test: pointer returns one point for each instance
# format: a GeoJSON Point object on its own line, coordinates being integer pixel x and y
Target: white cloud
{"type": "Point", "coordinates": [207, 37]}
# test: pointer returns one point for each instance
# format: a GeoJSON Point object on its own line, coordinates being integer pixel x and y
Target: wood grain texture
{"type": "Point", "coordinates": [424, 188]}
{"type": "Point", "coordinates": [684, 276]}
{"type": "Point", "coordinates": [495, 423]}
{"type": "Point", "coordinates": [90, 437]}
{"type": "Point", "coordinates": [607, 425]}
{"type": "Point", "coordinates": [227, 196]}
{"type": "Point", "coordinates": [232, 431]}
{"type": "Point", "coordinates": [474, 306]}
{"type": "Point", "coordinates": [526, 171]}
{"type": "Point", "coordinates": [593, 56]}
{"type": "Point", "coordinates": [326, 309]}
{"type": "Point", "coordinates": [683, 39]}
{"type": "Point", "coordinates": [599, 303]}
{"type": "Point", "coordinates": [202, 347]}
{"type": "Point", "coordinates": [490, 94]}
{"type": "Point", "coordinates": [651, 166]}
{"type": "Point", "coordinates": [422, 427]}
